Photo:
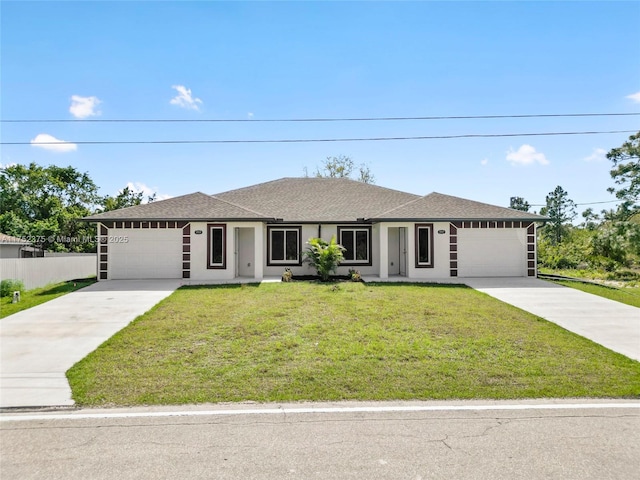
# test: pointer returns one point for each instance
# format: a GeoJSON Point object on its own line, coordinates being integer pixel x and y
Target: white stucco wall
{"type": "Point", "coordinates": [239, 250]}
{"type": "Point", "coordinates": [9, 250]}
{"type": "Point", "coordinates": [441, 264]}
{"type": "Point", "coordinates": [158, 253]}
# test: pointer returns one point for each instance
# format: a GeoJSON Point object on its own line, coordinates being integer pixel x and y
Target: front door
{"type": "Point", "coordinates": [245, 252]}
{"type": "Point", "coordinates": [402, 234]}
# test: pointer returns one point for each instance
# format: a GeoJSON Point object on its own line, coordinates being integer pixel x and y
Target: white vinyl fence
{"type": "Point", "coordinates": [41, 271]}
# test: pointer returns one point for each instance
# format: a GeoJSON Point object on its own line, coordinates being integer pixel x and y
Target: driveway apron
{"type": "Point", "coordinates": [40, 344]}
{"type": "Point", "coordinates": [609, 323]}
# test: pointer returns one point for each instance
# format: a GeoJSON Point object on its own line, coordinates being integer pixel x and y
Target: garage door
{"type": "Point", "coordinates": [492, 252]}
{"type": "Point", "coordinates": [146, 253]}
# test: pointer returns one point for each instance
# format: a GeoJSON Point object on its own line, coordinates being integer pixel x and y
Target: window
{"type": "Point", "coordinates": [216, 246]}
{"type": "Point", "coordinates": [424, 245]}
{"type": "Point", "coordinates": [357, 242]}
{"type": "Point", "coordinates": [284, 245]}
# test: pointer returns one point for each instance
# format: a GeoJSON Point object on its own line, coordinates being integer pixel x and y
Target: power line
{"type": "Point", "coordinates": [318, 140]}
{"type": "Point", "coordinates": [578, 204]}
{"type": "Point", "coordinates": [355, 119]}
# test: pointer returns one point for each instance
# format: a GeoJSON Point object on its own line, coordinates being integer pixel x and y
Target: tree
{"type": "Point", "coordinates": [591, 219]}
{"type": "Point", "coordinates": [519, 203]}
{"type": "Point", "coordinates": [626, 174]}
{"type": "Point", "coordinates": [324, 256]}
{"type": "Point", "coordinates": [615, 242]}
{"type": "Point", "coordinates": [343, 167]}
{"type": "Point", "coordinates": [125, 198]}
{"type": "Point", "coordinates": [561, 210]}
{"type": "Point", "coordinates": [44, 203]}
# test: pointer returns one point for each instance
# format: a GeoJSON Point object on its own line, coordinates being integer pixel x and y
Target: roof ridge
{"type": "Point", "coordinates": [404, 204]}
{"type": "Point", "coordinates": [441, 205]}
{"type": "Point", "coordinates": [149, 203]}
{"type": "Point", "coordinates": [248, 187]}
{"type": "Point", "coordinates": [343, 179]}
{"type": "Point", "coordinates": [239, 206]}
{"type": "Point", "coordinates": [477, 202]}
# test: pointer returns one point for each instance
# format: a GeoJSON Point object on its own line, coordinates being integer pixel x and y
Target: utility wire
{"type": "Point", "coordinates": [317, 140]}
{"type": "Point", "coordinates": [356, 119]}
{"type": "Point", "coordinates": [577, 204]}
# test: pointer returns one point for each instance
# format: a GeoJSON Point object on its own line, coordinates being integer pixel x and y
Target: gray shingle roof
{"type": "Point", "coordinates": [317, 199]}
{"type": "Point", "coordinates": [297, 200]}
{"type": "Point", "coordinates": [195, 206]}
{"type": "Point", "coordinates": [8, 239]}
{"type": "Point", "coordinates": [437, 206]}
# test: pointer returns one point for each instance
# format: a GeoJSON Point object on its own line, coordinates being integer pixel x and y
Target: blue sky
{"type": "Point", "coordinates": [274, 60]}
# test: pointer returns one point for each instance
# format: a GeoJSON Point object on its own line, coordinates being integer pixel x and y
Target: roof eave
{"type": "Point", "coordinates": [165, 219]}
{"type": "Point", "coordinates": [450, 219]}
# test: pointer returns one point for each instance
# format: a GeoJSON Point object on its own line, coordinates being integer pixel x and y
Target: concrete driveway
{"type": "Point", "coordinates": [611, 324]}
{"type": "Point", "coordinates": [40, 344]}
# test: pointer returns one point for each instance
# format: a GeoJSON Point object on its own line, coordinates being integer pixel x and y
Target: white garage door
{"type": "Point", "coordinates": [492, 252]}
{"type": "Point", "coordinates": [146, 253]}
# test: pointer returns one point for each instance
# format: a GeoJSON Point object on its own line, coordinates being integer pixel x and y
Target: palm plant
{"type": "Point", "coordinates": [324, 256]}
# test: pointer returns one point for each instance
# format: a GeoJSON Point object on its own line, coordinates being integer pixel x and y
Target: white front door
{"type": "Point", "coordinates": [245, 252]}
{"type": "Point", "coordinates": [402, 234]}
{"type": "Point", "coordinates": [394, 251]}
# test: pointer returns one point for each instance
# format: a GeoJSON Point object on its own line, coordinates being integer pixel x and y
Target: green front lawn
{"type": "Point", "coordinates": [34, 297]}
{"type": "Point", "coordinates": [312, 341]}
{"type": "Point", "coordinates": [628, 295]}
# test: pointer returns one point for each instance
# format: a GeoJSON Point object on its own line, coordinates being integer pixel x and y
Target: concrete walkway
{"type": "Point", "coordinates": [611, 324]}
{"type": "Point", "coordinates": [40, 344]}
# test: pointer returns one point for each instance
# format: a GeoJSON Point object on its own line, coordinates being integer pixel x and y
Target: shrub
{"type": "Point", "coordinates": [324, 256]}
{"type": "Point", "coordinates": [627, 275]}
{"type": "Point", "coordinates": [8, 286]}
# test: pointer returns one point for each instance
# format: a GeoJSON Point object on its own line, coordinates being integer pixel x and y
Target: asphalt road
{"type": "Point", "coordinates": [505, 440]}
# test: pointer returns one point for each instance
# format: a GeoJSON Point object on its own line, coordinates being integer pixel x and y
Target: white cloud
{"type": "Point", "coordinates": [48, 142]}
{"type": "Point", "coordinates": [250, 115]}
{"type": "Point", "coordinates": [83, 107]}
{"type": "Point", "coordinates": [526, 155]}
{"type": "Point", "coordinates": [139, 187]}
{"type": "Point", "coordinates": [7, 165]}
{"type": "Point", "coordinates": [185, 99]}
{"type": "Point", "coordinates": [484, 161]}
{"type": "Point", "coordinates": [635, 97]}
{"type": "Point", "coordinates": [598, 155]}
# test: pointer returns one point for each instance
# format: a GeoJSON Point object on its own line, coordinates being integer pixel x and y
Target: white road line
{"type": "Point", "coordinates": [311, 410]}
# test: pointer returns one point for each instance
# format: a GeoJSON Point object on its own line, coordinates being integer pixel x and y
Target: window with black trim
{"type": "Point", "coordinates": [357, 244]}
{"type": "Point", "coordinates": [424, 245]}
{"type": "Point", "coordinates": [216, 246]}
{"type": "Point", "coordinates": [284, 245]}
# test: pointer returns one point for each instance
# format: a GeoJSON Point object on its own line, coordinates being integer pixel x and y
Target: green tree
{"type": "Point", "coordinates": [561, 210]}
{"type": "Point", "coordinates": [344, 167]}
{"type": "Point", "coordinates": [591, 219]}
{"type": "Point", "coordinates": [519, 203]}
{"type": "Point", "coordinates": [324, 256]}
{"type": "Point", "coordinates": [44, 203]}
{"type": "Point", "coordinates": [615, 243]}
{"type": "Point", "coordinates": [626, 174]}
{"type": "Point", "coordinates": [125, 198]}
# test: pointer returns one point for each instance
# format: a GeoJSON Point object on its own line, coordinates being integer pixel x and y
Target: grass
{"type": "Point", "coordinates": [34, 297]}
{"type": "Point", "coordinates": [311, 341]}
{"type": "Point", "coordinates": [629, 295]}
{"type": "Point", "coordinates": [622, 277]}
